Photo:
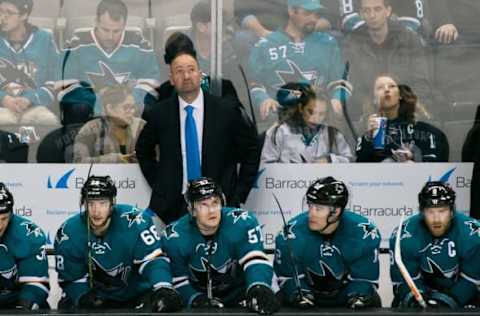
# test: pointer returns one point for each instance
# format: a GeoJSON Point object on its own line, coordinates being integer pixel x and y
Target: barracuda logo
{"type": "Point", "coordinates": [445, 177]}
{"type": "Point", "coordinates": [62, 183]}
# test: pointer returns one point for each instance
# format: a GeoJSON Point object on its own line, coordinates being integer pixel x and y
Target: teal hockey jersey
{"type": "Point", "coordinates": [448, 264]}
{"type": "Point", "coordinates": [126, 262]}
{"type": "Point", "coordinates": [235, 256]}
{"type": "Point", "coordinates": [334, 267]}
{"type": "Point", "coordinates": [23, 263]}
{"type": "Point", "coordinates": [277, 59]}
{"type": "Point", "coordinates": [133, 62]}
{"type": "Point", "coordinates": [31, 70]}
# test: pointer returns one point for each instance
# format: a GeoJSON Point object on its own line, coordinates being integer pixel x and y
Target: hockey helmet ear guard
{"type": "Point", "coordinates": [6, 199]}
{"type": "Point", "coordinates": [97, 187]}
{"type": "Point", "coordinates": [436, 193]}
{"type": "Point", "coordinates": [200, 189]}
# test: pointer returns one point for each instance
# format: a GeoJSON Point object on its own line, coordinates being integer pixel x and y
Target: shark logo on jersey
{"type": "Point", "coordinates": [435, 247]}
{"type": "Point", "coordinates": [295, 74]}
{"type": "Point", "coordinates": [13, 79]}
{"type": "Point", "coordinates": [61, 235]}
{"type": "Point", "coordinates": [223, 277]}
{"type": "Point", "coordinates": [107, 77]}
{"type": "Point", "coordinates": [170, 232]}
{"type": "Point", "coordinates": [328, 250]}
{"type": "Point", "coordinates": [369, 230]}
{"type": "Point", "coordinates": [238, 214]}
{"type": "Point", "coordinates": [325, 279]}
{"type": "Point", "coordinates": [8, 280]}
{"type": "Point", "coordinates": [435, 269]}
{"type": "Point", "coordinates": [100, 248]}
{"type": "Point", "coordinates": [289, 231]}
{"type": "Point", "coordinates": [133, 217]}
{"type": "Point", "coordinates": [32, 229]}
{"type": "Point", "coordinates": [474, 227]}
{"type": "Point", "coordinates": [112, 278]}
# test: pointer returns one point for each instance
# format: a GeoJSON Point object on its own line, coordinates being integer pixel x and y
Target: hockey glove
{"type": "Point", "coordinates": [26, 305]}
{"type": "Point", "coordinates": [262, 300]}
{"type": "Point", "coordinates": [166, 300]}
{"type": "Point", "coordinates": [89, 300]}
{"type": "Point", "coordinates": [202, 301]}
{"type": "Point", "coordinates": [304, 301]}
{"type": "Point", "coordinates": [358, 301]}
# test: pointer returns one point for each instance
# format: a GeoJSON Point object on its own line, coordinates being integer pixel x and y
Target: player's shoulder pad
{"type": "Point", "coordinates": [133, 37]}
{"type": "Point", "coordinates": [238, 217]}
{"type": "Point", "coordinates": [296, 227]}
{"type": "Point", "coordinates": [360, 227]}
{"type": "Point", "coordinates": [72, 229]}
{"type": "Point", "coordinates": [469, 228]}
{"type": "Point", "coordinates": [132, 217]}
{"type": "Point", "coordinates": [83, 37]}
{"type": "Point", "coordinates": [410, 229]}
{"type": "Point", "coordinates": [26, 230]}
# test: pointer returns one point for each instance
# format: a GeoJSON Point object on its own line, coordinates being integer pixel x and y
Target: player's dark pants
{"type": "Point", "coordinates": [335, 300]}
{"type": "Point", "coordinates": [140, 303]}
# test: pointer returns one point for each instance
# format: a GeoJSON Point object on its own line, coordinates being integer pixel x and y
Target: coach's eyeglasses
{"type": "Point", "coordinates": [8, 13]}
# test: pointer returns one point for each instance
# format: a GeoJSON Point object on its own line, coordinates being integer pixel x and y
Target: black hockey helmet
{"type": "Point", "coordinates": [6, 199]}
{"type": "Point", "coordinates": [202, 188]}
{"type": "Point", "coordinates": [436, 193]}
{"type": "Point", "coordinates": [328, 191]}
{"type": "Point", "coordinates": [97, 187]}
{"type": "Point", "coordinates": [24, 6]}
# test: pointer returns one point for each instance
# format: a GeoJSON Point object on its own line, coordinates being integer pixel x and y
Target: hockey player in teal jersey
{"type": "Point", "coordinates": [109, 256]}
{"type": "Point", "coordinates": [29, 67]}
{"type": "Point", "coordinates": [109, 54]}
{"type": "Point", "coordinates": [328, 256]}
{"type": "Point", "coordinates": [441, 250]}
{"type": "Point", "coordinates": [23, 260]}
{"type": "Point", "coordinates": [298, 54]}
{"type": "Point", "coordinates": [217, 253]}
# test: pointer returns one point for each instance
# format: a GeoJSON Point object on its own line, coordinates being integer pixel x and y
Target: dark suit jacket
{"type": "Point", "coordinates": [229, 138]}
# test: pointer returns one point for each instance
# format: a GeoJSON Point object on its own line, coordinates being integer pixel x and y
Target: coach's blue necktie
{"type": "Point", "coordinates": [191, 146]}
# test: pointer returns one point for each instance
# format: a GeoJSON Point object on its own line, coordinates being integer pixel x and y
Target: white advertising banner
{"type": "Point", "coordinates": [49, 193]}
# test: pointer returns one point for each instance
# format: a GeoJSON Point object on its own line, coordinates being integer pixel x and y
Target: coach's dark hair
{"type": "Point", "coordinates": [201, 13]}
{"type": "Point", "coordinates": [387, 3]}
{"type": "Point", "coordinates": [178, 44]}
{"type": "Point", "coordinates": [116, 9]}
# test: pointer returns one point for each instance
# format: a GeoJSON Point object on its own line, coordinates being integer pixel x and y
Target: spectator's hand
{"type": "Point", "coordinates": [23, 103]}
{"type": "Point", "coordinates": [128, 158]}
{"type": "Point", "coordinates": [446, 34]}
{"type": "Point", "coordinates": [11, 103]}
{"type": "Point", "coordinates": [323, 160]}
{"type": "Point", "coordinates": [403, 154]}
{"type": "Point", "coordinates": [372, 124]}
{"type": "Point", "coordinates": [263, 32]}
{"type": "Point", "coordinates": [269, 105]}
{"type": "Point", "coordinates": [323, 25]}
{"type": "Point", "coordinates": [337, 107]}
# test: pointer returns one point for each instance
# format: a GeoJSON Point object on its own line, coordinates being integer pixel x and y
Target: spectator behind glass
{"type": "Point", "coordinates": [28, 67]}
{"type": "Point", "coordinates": [112, 137]}
{"type": "Point", "coordinates": [380, 46]}
{"type": "Point", "coordinates": [471, 153]}
{"type": "Point", "coordinates": [297, 53]}
{"type": "Point", "coordinates": [409, 13]}
{"type": "Point", "coordinates": [302, 134]}
{"type": "Point", "coordinates": [109, 55]}
{"type": "Point", "coordinates": [406, 140]}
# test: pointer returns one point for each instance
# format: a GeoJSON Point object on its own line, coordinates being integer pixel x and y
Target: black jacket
{"type": "Point", "coordinates": [229, 138]}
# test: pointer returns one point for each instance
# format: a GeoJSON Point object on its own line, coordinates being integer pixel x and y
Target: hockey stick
{"type": "Point", "coordinates": [89, 245]}
{"type": "Point", "coordinates": [211, 300]}
{"type": "Point", "coordinates": [403, 270]}
{"type": "Point", "coordinates": [296, 276]}
{"type": "Point", "coordinates": [343, 100]}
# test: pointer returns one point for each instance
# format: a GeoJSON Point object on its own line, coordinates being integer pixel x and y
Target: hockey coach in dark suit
{"type": "Point", "coordinates": [197, 135]}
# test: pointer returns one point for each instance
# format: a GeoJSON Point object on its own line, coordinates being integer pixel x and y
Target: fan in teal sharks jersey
{"type": "Point", "coordinates": [328, 256]}
{"type": "Point", "coordinates": [441, 250]}
{"type": "Point", "coordinates": [297, 54]}
{"type": "Point", "coordinates": [110, 257]}
{"type": "Point", "coordinates": [23, 260]}
{"type": "Point", "coordinates": [217, 253]}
